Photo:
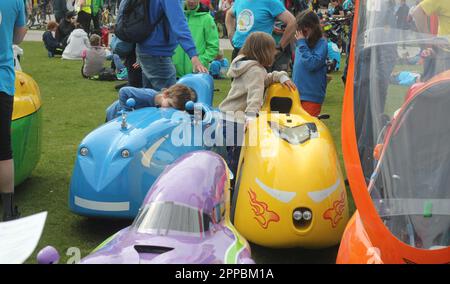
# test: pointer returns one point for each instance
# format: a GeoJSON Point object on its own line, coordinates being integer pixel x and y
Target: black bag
{"type": "Point", "coordinates": [107, 74]}
{"type": "Point", "coordinates": [133, 23]}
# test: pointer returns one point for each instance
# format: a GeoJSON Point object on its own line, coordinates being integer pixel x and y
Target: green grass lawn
{"type": "Point", "coordinates": [73, 107]}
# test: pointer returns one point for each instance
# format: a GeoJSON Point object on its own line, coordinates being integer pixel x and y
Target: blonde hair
{"type": "Point", "coordinates": [261, 47]}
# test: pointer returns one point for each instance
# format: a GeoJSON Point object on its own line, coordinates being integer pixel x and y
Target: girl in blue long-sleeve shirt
{"type": "Point", "coordinates": [310, 66]}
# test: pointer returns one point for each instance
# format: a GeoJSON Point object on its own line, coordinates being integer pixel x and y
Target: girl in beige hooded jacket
{"type": "Point", "coordinates": [246, 95]}
{"type": "Point", "coordinates": [250, 77]}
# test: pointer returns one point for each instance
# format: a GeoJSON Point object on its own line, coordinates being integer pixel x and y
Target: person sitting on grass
{"type": "Point", "coordinates": [51, 44]}
{"type": "Point", "coordinates": [77, 42]}
{"type": "Point", "coordinates": [219, 66]}
{"type": "Point", "coordinates": [174, 97]}
{"type": "Point", "coordinates": [94, 59]}
{"type": "Point", "coordinates": [405, 78]}
{"type": "Point", "coordinates": [66, 27]}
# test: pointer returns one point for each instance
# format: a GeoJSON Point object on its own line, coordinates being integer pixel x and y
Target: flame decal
{"type": "Point", "coordinates": [262, 213]}
{"type": "Point", "coordinates": [334, 214]}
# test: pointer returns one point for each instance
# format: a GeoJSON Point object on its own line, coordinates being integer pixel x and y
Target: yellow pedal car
{"type": "Point", "coordinates": [289, 191]}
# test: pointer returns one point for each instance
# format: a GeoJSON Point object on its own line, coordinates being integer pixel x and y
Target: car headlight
{"type": "Point", "coordinates": [297, 215]}
{"type": "Point", "coordinates": [84, 151]}
{"type": "Point", "coordinates": [125, 153]}
{"type": "Point", "coordinates": [307, 215]}
{"type": "Point", "coordinates": [294, 135]}
{"type": "Point", "coordinates": [302, 218]}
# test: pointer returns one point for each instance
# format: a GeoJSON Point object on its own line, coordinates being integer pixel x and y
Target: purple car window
{"type": "Point", "coordinates": [163, 217]}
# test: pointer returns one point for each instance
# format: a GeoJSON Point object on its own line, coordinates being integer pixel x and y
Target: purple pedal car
{"type": "Point", "coordinates": [185, 218]}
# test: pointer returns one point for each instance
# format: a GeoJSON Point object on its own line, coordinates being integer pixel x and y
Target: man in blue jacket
{"type": "Point", "coordinates": [12, 31]}
{"type": "Point", "coordinates": [155, 53]}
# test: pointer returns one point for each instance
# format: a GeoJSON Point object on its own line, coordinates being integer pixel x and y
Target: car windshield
{"type": "Point", "coordinates": [161, 218]}
{"type": "Point", "coordinates": [401, 106]}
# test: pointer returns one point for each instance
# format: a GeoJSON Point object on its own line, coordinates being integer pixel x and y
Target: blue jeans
{"type": "Point", "coordinates": [233, 138]}
{"type": "Point", "coordinates": [143, 98]}
{"type": "Point", "coordinates": [157, 72]}
{"type": "Point", "coordinates": [117, 62]}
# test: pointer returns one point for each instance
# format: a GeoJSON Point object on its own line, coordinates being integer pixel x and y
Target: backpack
{"type": "Point", "coordinates": [133, 23]}
{"type": "Point", "coordinates": [107, 75]}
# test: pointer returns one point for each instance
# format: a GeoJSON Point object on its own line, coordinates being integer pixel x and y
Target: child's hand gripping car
{"type": "Point", "coordinates": [290, 191]}
{"type": "Point", "coordinates": [185, 218]}
{"type": "Point", "coordinates": [26, 126]}
{"type": "Point", "coordinates": [118, 162]}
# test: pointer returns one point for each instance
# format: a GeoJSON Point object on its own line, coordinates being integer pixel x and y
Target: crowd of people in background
{"type": "Point", "coordinates": [272, 40]}
{"type": "Point", "coordinates": [205, 19]}
{"type": "Point", "coordinates": [68, 35]}
{"type": "Point", "coordinates": [71, 15]}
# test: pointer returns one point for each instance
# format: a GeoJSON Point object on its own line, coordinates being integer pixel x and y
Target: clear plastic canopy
{"type": "Point", "coordinates": [402, 108]}
{"type": "Point", "coordinates": [162, 218]}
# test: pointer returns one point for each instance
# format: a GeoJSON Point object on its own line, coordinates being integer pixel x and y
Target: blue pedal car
{"type": "Point", "coordinates": [118, 162]}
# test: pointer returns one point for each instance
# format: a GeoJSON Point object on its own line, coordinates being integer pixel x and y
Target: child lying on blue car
{"type": "Point", "coordinates": [176, 97]}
